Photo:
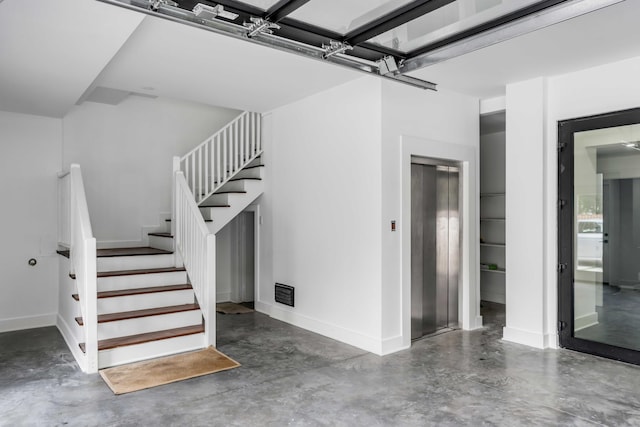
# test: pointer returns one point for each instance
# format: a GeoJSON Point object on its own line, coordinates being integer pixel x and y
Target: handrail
{"type": "Point", "coordinates": [221, 156]}
{"type": "Point", "coordinates": [196, 246]}
{"type": "Point", "coordinates": [82, 259]}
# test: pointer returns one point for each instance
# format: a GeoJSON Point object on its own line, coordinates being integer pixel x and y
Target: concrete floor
{"type": "Point", "coordinates": [294, 377]}
{"type": "Point", "coordinates": [618, 319]}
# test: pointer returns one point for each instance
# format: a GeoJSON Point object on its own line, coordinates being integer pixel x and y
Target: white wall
{"type": "Point", "coordinates": [321, 212]}
{"type": "Point", "coordinates": [524, 210]}
{"type": "Point", "coordinates": [335, 181]}
{"type": "Point", "coordinates": [441, 125]}
{"type": "Point", "coordinates": [597, 90]}
{"type": "Point", "coordinates": [31, 157]}
{"type": "Point", "coordinates": [126, 151]}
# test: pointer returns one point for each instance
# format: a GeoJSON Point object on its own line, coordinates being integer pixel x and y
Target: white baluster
{"type": "Point", "coordinates": [225, 149]}
{"type": "Point", "coordinates": [241, 136]}
{"type": "Point", "coordinates": [218, 161]}
{"type": "Point", "coordinates": [259, 131]}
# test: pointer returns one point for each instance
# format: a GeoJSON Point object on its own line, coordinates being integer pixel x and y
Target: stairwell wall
{"type": "Point", "coordinates": [31, 157]}
{"type": "Point", "coordinates": [126, 152]}
{"type": "Point", "coordinates": [321, 213]}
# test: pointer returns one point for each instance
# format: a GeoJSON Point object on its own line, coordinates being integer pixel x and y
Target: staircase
{"type": "Point", "coordinates": [145, 306]}
{"type": "Point", "coordinates": [159, 300]}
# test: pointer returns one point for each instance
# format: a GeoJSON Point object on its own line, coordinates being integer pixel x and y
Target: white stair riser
{"type": "Point", "coordinates": [137, 262]}
{"type": "Point", "coordinates": [239, 202]}
{"type": "Point", "coordinates": [233, 186]}
{"type": "Point", "coordinates": [250, 173]}
{"type": "Point", "coordinates": [144, 301]}
{"type": "Point", "coordinates": [141, 280]}
{"type": "Point", "coordinates": [149, 350]}
{"type": "Point", "coordinates": [217, 199]}
{"type": "Point", "coordinates": [164, 243]}
{"type": "Point", "coordinates": [142, 325]}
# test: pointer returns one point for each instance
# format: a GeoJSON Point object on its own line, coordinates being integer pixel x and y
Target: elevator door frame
{"type": "Point", "coordinates": [466, 157]}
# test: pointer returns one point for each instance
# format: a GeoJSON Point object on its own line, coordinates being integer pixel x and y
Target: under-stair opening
{"type": "Point", "coordinates": [236, 259]}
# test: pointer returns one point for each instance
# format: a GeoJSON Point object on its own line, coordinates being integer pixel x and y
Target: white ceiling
{"type": "Point", "coordinates": [607, 35]}
{"type": "Point", "coordinates": [52, 50]}
{"type": "Point", "coordinates": [181, 61]}
{"type": "Point", "coordinates": [59, 49]}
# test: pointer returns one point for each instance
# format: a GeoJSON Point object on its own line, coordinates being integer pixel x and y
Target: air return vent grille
{"type": "Point", "coordinates": [284, 294]}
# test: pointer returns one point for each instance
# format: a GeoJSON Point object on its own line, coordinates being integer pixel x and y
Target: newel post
{"type": "Point", "coordinates": [210, 290]}
{"type": "Point", "coordinates": [176, 168]}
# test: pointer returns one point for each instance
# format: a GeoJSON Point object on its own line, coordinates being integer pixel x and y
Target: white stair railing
{"type": "Point", "coordinates": [196, 245]}
{"type": "Point", "coordinates": [214, 162]}
{"type": "Point", "coordinates": [75, 231]}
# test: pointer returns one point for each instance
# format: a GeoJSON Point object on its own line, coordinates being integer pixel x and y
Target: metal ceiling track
{"type": "Point", "coordinates": [259, 31]}
{"type": "Point", "coordinates": [274, 28]}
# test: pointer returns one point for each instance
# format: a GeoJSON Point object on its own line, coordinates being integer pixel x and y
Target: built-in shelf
{"type": "Point", "coordinates": [493, 245]}
{"type": "Point", "coordinates": [491, 194]}
{"type": "Point", "coordinates": [492, 219]}
{"type": "Point", "coordinates": [488, 270]}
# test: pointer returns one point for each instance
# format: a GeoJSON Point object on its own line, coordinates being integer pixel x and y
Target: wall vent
{"type": "Point", "coordinates": [284, 294]}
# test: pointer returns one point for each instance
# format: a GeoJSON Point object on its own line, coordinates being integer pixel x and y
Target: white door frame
{"type": "Point", "coordinates": [255, 208]}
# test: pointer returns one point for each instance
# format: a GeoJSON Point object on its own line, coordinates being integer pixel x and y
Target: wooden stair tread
{"type": "Point", "coordinates": [147, 337]}
{"type": "Point", "coordinates": [215, 206]}
{"type": "Point", "coordinates": [161, 234]}
{"type": "Point", "coordinates": [230, 192]}
{"type": "Point", "coordinates": [114, 252]}
{"type": "Point", "coordinates": [206, 220]}
{"type": "Point", "coordinates": [249, 178]}
{"type": "Point", "coordinates": [252, 167]}
{"type": "Point", "coordinates": [134, 272]}
{"type": "Point", "coordinates": [65, 253]}
{"type": "Point", "coordinates": [139, 291]}
{"type": "Point", "coordinates": [136, 314]}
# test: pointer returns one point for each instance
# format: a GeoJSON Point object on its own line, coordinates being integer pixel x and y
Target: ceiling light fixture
{"type": "Point", "coordinates": [211, 12]}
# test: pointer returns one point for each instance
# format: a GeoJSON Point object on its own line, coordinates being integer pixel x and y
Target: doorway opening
{"type": "Point", "coordinates": [435, 246]}
{"type": "Point", "coordinates": [236, 260]}
{"type": "Point", "coordinates": [599, 235]}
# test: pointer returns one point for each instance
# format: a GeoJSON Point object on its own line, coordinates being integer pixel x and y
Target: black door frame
{"type": "Point", "coordinates": [566, 131]}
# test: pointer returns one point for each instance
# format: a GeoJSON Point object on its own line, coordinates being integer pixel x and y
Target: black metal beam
{"type": "Point", "coordinates": [513, 16]}
{"type": "Point", "coordinates": [283, 8]}
{"type": "Point", "coordinates": [317, 36]}
{"type": "Point", "coordinates": [392, 20]}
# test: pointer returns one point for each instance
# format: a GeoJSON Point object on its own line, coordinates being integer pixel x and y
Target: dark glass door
{"type": "Point", "coordinates": [599, 235]}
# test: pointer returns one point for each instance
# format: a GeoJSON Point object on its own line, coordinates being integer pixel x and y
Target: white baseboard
{"type": "Point", "coordinates": [589, 319]}
{"type": "Point", "coordinates": [496, 297]}
{"type": "Point", "coordinates": [347, 336]}
{"type": "Point", "coordinates": [532, 339]}
{"type": "Point", "coordinates": [69, 338]}
{"type": "Point", "coordinates": [479, 323]}
{"type": "Point", "coordinates": [28, 322]}
{"type": "Point", "coordinates": [393, 345]}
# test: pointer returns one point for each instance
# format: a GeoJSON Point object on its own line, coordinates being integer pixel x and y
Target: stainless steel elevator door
{"type": "Point", "coordinates": [435, 246]}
